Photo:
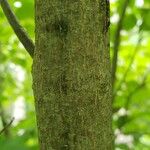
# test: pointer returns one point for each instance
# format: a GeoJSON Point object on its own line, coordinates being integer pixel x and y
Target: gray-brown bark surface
{"type": "Point", "coordinates": [71, 75]}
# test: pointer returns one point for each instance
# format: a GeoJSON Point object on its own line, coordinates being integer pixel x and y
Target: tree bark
{"type": "Point", "coordinates": [71, 75]}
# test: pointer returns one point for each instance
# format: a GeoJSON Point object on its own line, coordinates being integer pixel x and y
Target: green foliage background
{"type": "Point", "coordinates": [131, 119]}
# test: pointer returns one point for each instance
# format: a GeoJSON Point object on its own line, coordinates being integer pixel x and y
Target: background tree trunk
{"type": "Point", "coordinates": [71, 75]}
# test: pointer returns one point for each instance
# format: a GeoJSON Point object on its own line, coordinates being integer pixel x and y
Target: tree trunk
{"type": "Point", "coordinates": [71, 75]}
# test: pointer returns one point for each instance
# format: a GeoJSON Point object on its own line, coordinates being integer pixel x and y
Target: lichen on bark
{"type": "Point", "coordinates": [71, 75]}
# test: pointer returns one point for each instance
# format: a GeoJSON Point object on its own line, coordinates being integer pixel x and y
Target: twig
{"type": "Point", "coordinates": [117, 42]}
{"type": "Point", "coordinates": [8, 125]}
{"type": "Point", "coordinates": [18, 29]}
{"type": "Point", "coordinates": [128, 68]}
{"type": "Point", "coordinates": [4, 122]}
{"type": "Point", "coordinates": [125, 118]}
{"type": "Point", "coordinates": [136, 89]}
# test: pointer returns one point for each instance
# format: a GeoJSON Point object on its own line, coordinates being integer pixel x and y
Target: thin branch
{"type": "Point", "coordinates": [140, 86]}
{"type": "Point", "coordinates": [129, 98]}
{"type": "Point", "coordinates": [18, 29]}
{"type": "Point", "coordinates": [128, 68]}
{"type": "Point", "coordinates": [7, 126]}
{"type": "Point", "coordinates": [4, 122]}
{"type": "Point", "coordinates": [117, 41]}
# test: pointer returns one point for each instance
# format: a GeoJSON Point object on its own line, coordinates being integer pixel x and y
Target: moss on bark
{"type": "Point", "coordinates": [71, 75]}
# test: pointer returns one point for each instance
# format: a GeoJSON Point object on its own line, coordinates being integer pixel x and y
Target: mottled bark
{"type": "Point", "coordinates": [71, 75]}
